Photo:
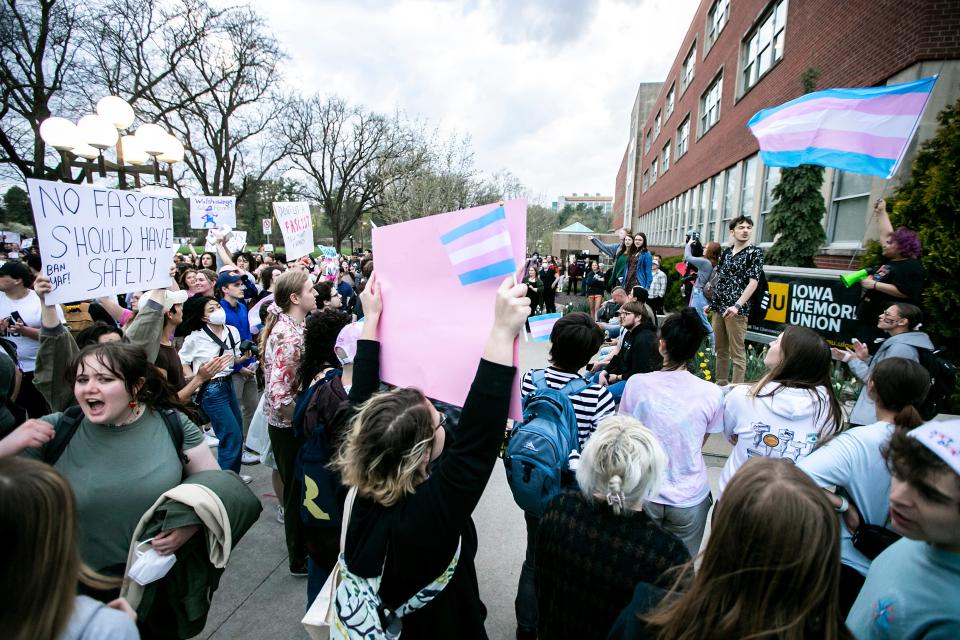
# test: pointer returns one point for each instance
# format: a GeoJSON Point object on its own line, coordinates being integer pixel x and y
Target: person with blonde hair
{"type": "Point", "coordinates": [410, 526]}
{"type": "Point", "coordinates": [770, 569]}
{"type": "Point", "coordinates": [281, 343]}
{"type": "Point", "coordinates": [594, 544]}
{"type": "Point", "coordinates": [40, 564]}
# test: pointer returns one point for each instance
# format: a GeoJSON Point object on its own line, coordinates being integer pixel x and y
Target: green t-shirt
{"type": "Point", "coordinates": [117, 473]}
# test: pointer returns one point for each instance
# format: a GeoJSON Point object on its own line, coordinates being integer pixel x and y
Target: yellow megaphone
{"type": "Point", "coordinates": [850, 279]}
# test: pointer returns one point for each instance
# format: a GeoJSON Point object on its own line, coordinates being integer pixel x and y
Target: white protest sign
{"type": "Point", "coordinates": [207, 212]}
{"type": "Point", "coordinates": [237, 241]}
{"type": "Point", "coordinates": [296, 225]}
{"type": "Point", "coordinates": [11, 237]}
{"type": "Point", "coordinates": [267, 226]}
{"type": "Point", "coordinates": [98, 242]}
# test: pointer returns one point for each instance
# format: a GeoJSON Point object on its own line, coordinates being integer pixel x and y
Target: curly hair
{"type": "Point", "coordinates": [907, 241]}
{"type": "Point", "coordinates": [319, 337]}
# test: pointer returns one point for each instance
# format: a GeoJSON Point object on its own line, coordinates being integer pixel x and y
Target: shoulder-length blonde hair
{"type": "Point", "coordinates": [622, 464]}
{"type": "Point", "coordinates": [388, 445]}
{"type": "Point", "coordinates": [39, 552]}
{"type": "Point", "coordinates": [288, 283]}
{"type": "Point", "coordinates": [771, 568]}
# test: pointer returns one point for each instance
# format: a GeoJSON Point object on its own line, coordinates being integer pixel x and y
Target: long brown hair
{"type": "Point", "coordinates": [712, 252]}
{"type": "Point", "coordinates": [901, 385]}
{"type": "Point", "coordinates": [771, 567]}
{"type": "Point", "coordinates": [39, 551]}
{"type": "Point", "coordinates": [805, 363]}
{"type": "Point", "coordinates": [288, 283]}
{"type": "Point", "coordinates": [623, 244]}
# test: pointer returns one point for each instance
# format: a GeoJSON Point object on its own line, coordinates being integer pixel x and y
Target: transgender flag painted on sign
{"type": "Point", "coordinates": [480, 250]}
{"type": "Point", "coordinates": [541, 326]}
{"type": "Point", "coordinates": [859, 130]}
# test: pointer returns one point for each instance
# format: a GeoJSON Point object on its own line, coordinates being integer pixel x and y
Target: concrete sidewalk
{"type": "Point", "coordinates": [258, 598]}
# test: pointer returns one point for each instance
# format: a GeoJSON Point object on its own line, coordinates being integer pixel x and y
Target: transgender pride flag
{"type": "Point", "coordinates": [859, 130]}
{"type": "Point", "coordinates": [480, 249]}
{"type": "Point", "coordinates": [541, 326]}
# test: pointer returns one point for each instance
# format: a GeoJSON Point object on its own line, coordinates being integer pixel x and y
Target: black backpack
{"type": "Point", "coordinates": [318, 409]}
{"type": "Point", "coordinates": [70, 421]}
{"type": "Point", "coordinates": [943, 379]}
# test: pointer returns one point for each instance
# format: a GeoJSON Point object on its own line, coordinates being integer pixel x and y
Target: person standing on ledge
{"type": "Point", "coordinates": [898, 279]}
{"type": "Point", "coordinates": [738, 274]}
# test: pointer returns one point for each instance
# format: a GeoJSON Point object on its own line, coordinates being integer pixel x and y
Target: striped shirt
{"type": "Point", "coordinates": [590, 405]}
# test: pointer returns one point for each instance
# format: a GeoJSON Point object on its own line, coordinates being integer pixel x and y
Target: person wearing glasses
{"type": "Point", "coordinates": [639, 351]}
{"type": "Point", "coordinates": [900, 321]}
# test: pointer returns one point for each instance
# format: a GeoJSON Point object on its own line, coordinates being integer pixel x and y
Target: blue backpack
{"type": "Point", "coordinates": [537, 454]}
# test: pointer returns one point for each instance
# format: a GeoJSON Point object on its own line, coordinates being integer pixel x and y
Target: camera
{"type": "Point", "coordinates": [251, 346]}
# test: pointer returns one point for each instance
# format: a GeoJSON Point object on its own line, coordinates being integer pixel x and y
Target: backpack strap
{"type": "Point", "coordinates": [171, 420]}
{"type": "Point", "coordinates": [574, 387]}
{"type": "Point", "coordinates": [539, 378]}
{"type": "Point", "coordinates": [223, 345]}
{"type": "Point", "coordinates": [66, 428]}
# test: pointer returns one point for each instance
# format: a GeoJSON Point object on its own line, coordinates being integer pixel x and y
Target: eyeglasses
{"type": "Point", "coordinates": [626, 313]}
{"type": "Point", "coordinates": [441, 422]}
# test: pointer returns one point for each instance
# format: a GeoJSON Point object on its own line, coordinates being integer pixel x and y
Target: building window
{"type": "Point", "coordinates": [670, 100]}
{"type": "Point", "coordinates": [747, 180]}
{"type": "Point", "coordinates": [851, 198]}
{"type": "Point", "coordinates": [649, 139]}
{"type": "Point", "coordinates": [771, 178]}
{"type": "Point", "coordinates": [716, 19]}
{"type": "Point", "coordinates": [656, 125]}
{"type": "Point", "coordinates": [716, 192]}
{"type": "Point", "coordinates": [653, 172]}
{"type": "Point", "coordinates": [763, 46]}
{"type": "Point", "coordinates": [704, 210]}
{"type": "Point", "coordinates": [710, 105]}
{"type": "Point", "coordinates": [729, 193]}
{"type": "Point", "coordinates": [689, 64]}
{"type": "Point", "coordinates": [683, 137]}
{"type": "Point", "coordinates": [665, 158]}
{"type": "Point", "coordinates": [646, 180]}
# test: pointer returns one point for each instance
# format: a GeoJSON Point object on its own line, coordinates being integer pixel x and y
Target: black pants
{"type": "Point", "coordinates": [286, 446]}
{"type": "Point", "coordinates": [851, 581]}
{"type": "Point", "coordinates": [657, 305]}
{"type": "Point", "coordinates": [549, 300]}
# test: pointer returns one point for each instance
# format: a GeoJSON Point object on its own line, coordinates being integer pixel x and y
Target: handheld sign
{"type": "Point", "coordinates": [296, 225]}
{"type": "Point", "coordinates": [10, 237]}
{"type": "Point", "coordinates": [97, 242]}
{"type": "Point", "coordinates": [236, 241]}
{"type": "Point", "coordinates": [207, 212]}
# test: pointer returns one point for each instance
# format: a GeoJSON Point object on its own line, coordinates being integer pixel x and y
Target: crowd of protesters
{"type": "Point", "coordinates": [824, 525]}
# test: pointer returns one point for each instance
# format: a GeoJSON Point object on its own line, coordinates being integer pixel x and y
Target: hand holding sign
{"type": "Point", "coordinates": [296, 225]}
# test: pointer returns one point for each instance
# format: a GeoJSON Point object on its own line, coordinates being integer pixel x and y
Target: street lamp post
{"type": "Point", "coordinates": [83, 143]}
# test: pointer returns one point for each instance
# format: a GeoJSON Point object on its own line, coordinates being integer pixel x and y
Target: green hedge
{"type": "Point", "coordinates": [673, 299]}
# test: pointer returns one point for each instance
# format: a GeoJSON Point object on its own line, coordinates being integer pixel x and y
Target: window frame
{"type": "Point", "coordinates": [653, 171]}
{"type": "Point", "coordinates": [686, 139]}
{"type": "Point", "coordinates": [670, 102]}
{"type": "Point", "coordinates": [835, 199]}
{"type": "Point", "coordinates": [647, 141]}
{"type": "Point", "coordinates": [704, 112]}
{"type": "Point", "coordinates": [768, 12]}
{"type": "Point", "coordinates": [709, 41]}
{"type": "Point", "coordinates": [665, 157]}
{"type": "Point", "coordinates": [686, 79]}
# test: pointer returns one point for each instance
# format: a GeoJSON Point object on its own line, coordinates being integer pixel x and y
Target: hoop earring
{"type": "Point", "coordinates": [132, 404]}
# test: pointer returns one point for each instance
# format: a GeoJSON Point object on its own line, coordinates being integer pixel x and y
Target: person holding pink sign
{"type": "Point", "coordinates": [411, 520]}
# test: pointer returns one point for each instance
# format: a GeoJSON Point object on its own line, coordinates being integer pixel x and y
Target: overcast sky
{"type": "Point", "coordinates": [543, 87]}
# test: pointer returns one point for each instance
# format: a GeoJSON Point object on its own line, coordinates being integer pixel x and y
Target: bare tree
{"type": "Point", "coordinates": [350, 158]}
{"type": "Point", "coordinates": [38, 44]}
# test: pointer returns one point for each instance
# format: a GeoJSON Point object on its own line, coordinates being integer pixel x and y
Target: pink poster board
{"type": "Point", "coordinates": [433, 329]}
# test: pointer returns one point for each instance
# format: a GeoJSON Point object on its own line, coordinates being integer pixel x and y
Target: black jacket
{"type": "Point", "coordinates": [639, 352]}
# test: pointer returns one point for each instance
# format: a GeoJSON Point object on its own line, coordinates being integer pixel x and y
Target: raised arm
{"type": "Point", "coordinates": [366, 367]}
{"type": "Point", "coordinates": [56, 352]}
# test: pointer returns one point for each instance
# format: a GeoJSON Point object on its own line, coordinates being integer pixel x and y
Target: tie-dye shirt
{"type": "Point", "coordinates": [281, 360]}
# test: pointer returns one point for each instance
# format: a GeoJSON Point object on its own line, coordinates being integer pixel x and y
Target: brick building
{"type": "Point", "coordinates": [691, 162]}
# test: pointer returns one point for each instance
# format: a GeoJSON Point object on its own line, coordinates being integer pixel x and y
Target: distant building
{"type": "Point", "coordinates": [691, 162]}
{"type": "Point", "coordinates": [604, 203]}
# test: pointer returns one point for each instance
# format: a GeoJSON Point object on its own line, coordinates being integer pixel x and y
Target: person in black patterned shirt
{"type": "Point", "coordinates": [738, 276]}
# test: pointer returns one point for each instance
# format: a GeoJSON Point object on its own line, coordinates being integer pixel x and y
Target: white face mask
{"type": "Point", "coordinates": [150, 566]}
{"type": "Point", "coordinates": [217, 317]}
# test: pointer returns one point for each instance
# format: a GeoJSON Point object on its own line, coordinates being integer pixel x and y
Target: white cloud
{"type": "Point", "coordinates": [544, 88]}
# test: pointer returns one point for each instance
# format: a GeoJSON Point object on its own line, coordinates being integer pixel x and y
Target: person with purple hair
{"type": "Point", "coordinates": [898, 279]}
